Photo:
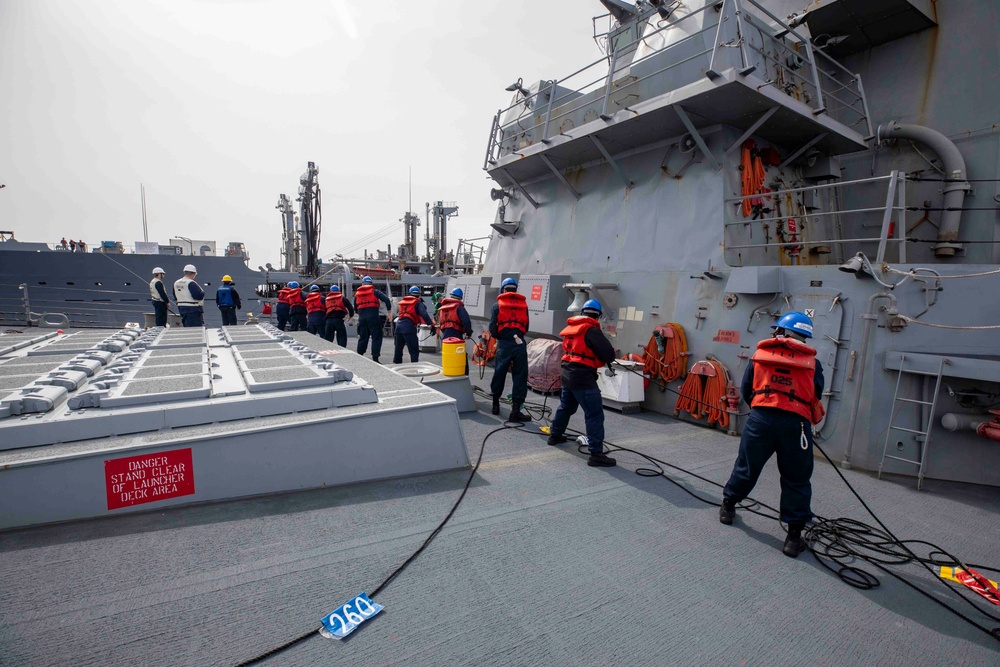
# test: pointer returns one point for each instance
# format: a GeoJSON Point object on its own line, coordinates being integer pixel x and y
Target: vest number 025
{"type": "Point", "coordinates": [347, 618]}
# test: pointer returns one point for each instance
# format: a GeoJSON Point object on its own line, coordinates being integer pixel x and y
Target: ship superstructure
{"type": "Point", "coordinates": [721, 165]}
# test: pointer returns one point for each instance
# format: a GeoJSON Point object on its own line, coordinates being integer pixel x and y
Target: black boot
{"type": "Point", "coordinates": [517, 416]}
{"type": "Point", "coordinates": [496, 405]}
{"type": "Point", "coordinates": [601, 461]}
{"type": "Point", "coordinates": [794, 544]}
{"type": "Point", "coordinates": [375, 359]}
{"type": "Point", "coordinates": [557, 439]}
{"type": "Point", "coordinates": [727, 512]}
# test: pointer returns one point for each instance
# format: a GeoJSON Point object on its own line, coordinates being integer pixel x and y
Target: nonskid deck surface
{"type": "Point", "coordinates": [547, 561]}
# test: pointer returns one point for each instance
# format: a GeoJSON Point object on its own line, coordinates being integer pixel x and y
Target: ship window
{"type": "Point", "coordinates": [98, 283]}
{"type": "Point", "coordinates": [127, 284]}
{"type": "Point", "coordinates": [42, 282]}
{"type": "Point", "coordinates": [70, 282]}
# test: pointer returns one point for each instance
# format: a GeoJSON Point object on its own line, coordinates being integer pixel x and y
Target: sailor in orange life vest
{"type": "Point", "coordinates": [316, 311]}
{"type": "Point", "coordinates": [783, 386]}
{"type": "Point", "coordinates": [585, 350]}
{"type": "Point", "coordinates": [296, 307]}
{"type": "Point", "coordinates": [366, 303]}
{"type": "Point", "coordinates": [338, 308]}
{"type": "Point", "coordinates": [281, 309]}
{"type": "Point", "coordinates": [411, 311]}
{"type": "Point", "coordinates": [453, 319]}
{"type": "Point", "coordinates": [508, 324]}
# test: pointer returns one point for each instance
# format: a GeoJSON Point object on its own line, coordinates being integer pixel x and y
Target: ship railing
{"type": "Point", "coordinates": [888, 217]}
{"type": "Point", "coordinates": [705, 42]}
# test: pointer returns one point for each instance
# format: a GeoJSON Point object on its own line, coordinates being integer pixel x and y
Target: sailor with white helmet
{"type": "Point", "coordinates": [158, 295]}
{"type": "Point", "coordinates": [190, 298]}
{"type": "Point", "coordinates": [783, 386]}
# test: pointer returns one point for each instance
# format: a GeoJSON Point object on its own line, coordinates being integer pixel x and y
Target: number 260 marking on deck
{"type": "Point", "coordinates": [347, 618]}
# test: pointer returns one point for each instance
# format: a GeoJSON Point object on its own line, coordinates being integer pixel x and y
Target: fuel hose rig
{"type": "Point", "coordinates": [837, 544]}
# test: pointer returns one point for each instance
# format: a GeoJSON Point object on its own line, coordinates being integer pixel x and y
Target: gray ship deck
{"type": "Point", "coordinates": [547, 561]}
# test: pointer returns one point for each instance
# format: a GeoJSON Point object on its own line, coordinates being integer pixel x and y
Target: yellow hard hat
{"type": "Point", "coordinates": [227, 279]}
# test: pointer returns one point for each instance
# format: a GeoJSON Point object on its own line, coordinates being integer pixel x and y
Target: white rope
{"type": "Point", "coordinates": [912, 272]}
{"type": "Point", "coordinates": [948, 326]}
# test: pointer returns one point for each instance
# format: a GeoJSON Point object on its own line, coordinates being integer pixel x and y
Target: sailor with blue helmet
{"type": "Point", "coordinates": [411, 313]}
{"type": "Point", "coordinates": [297, 307]}
{"type": "Point", "coordinates": [453, 319]}
{"type": "Point", "coordinates": [508, 325]}
{"type": "Point", "coordinates": [585, 350]}
{"type": "Point", "coordinates": [783, 385]}
{"type": "Point", "coordinates": [366, 304]}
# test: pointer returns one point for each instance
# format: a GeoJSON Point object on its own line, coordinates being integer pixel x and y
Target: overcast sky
{"type": "Point", "coordinates": [217, 105]}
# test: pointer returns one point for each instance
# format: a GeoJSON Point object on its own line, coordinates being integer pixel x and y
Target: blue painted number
{"type": "Point", "coordinates": [347, 618]}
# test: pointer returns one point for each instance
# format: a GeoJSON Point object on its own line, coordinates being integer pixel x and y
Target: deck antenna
{"type": "Point", "coordinates": [145, 227]}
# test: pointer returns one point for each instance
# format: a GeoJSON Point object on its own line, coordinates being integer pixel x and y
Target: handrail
{"type": "Point", "coordinates": [731, 27]}
{"type": "Point", "coordinates": [895, 202]}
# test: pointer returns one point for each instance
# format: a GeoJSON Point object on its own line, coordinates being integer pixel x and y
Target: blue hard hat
{"type": "Point", "coordinates": [508, 282]}
{"type": "Point", "coordinates": [592, 304]}
{"type": "Point", "coordinates": [366, 280]}
{"type": "Point", "coordinates": [314, 288]}
{"type": "Point", "coordinates": [334, 288]}
{"type": "Point", "coordinates": [796, 322]}
{"type": "Point", "coordinates": [293, 284]}
{"type": "Point", "coordinates": [415, 290]}
{"type": "Point", "coordinates": [457, 293]}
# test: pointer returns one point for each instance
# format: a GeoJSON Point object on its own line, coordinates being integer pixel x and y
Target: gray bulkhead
{"type": "Point", "coordinates": [660, 241]}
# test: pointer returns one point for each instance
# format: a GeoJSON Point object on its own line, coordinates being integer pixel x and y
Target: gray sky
{"type": "Point", "coordinates": [217, 105]}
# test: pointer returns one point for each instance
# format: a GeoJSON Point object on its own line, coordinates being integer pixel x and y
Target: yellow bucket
{"type": "Point", "coordinates": [453, 356]}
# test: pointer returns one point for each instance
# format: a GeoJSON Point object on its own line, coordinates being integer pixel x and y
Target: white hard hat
{"type": "Point", "coordinates": [158, 270]}
{"type": "Point", "coordinates": [190, 269]}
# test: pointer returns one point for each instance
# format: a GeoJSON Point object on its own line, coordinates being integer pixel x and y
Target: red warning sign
{"type": "Point", "coordinates": [145, 479]}
{"type": "Point", "coordinates": [727, 336]}
{"type": "Point", "coordinates": [536, 292]}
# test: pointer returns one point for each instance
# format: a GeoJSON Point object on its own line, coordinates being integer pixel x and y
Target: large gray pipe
{"type": "Point", "coordinates": [954, 172]}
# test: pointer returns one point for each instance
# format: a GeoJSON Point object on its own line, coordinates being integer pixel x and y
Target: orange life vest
{"type": "Point", "coordinates": [314, 302]}
{"type": "Point", "coordinates": [283, 295]}
{"type": "Point", "coordinates": [408, 309]}
{"type": "Point", "coordinates": [783, 378]}
{"type": "Point", "coordinates": [335, 303]}
{"type": "Point", "coordinates": [574, 344]}
{"type": "Point", "coordinates": [448, 314]}
{"type": "Point", "coordinates": [365, 297]}
{"type": "Point", "coordinates": [513, 312]}
{"type": "Point", "coordinates": [295, 298]}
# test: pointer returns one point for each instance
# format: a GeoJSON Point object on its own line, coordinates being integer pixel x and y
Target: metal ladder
{"type": "Point", "coordinates": [896, 400]}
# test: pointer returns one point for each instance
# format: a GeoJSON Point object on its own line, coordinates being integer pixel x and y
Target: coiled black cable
{"type": "Point", "coordinates": [838, 543]}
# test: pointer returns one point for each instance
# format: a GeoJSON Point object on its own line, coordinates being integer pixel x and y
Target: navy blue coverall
{"type": "Point", "coordinates": [370, 326]}
{"type": "Point", "coordinates": [775, 431]}
{"type": "Point", "coordinates": [335, 327]}
{"type": "Point", "coordinates": [228, 301]}
{"type": "Point", "coordinates": [466, 332]}
{"type": "Point", "coordinates": [579, 387]}
{"type": "Point", "coordinates": [406, 334]}
{"type": "Point", "coordinates": [512, 355]}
